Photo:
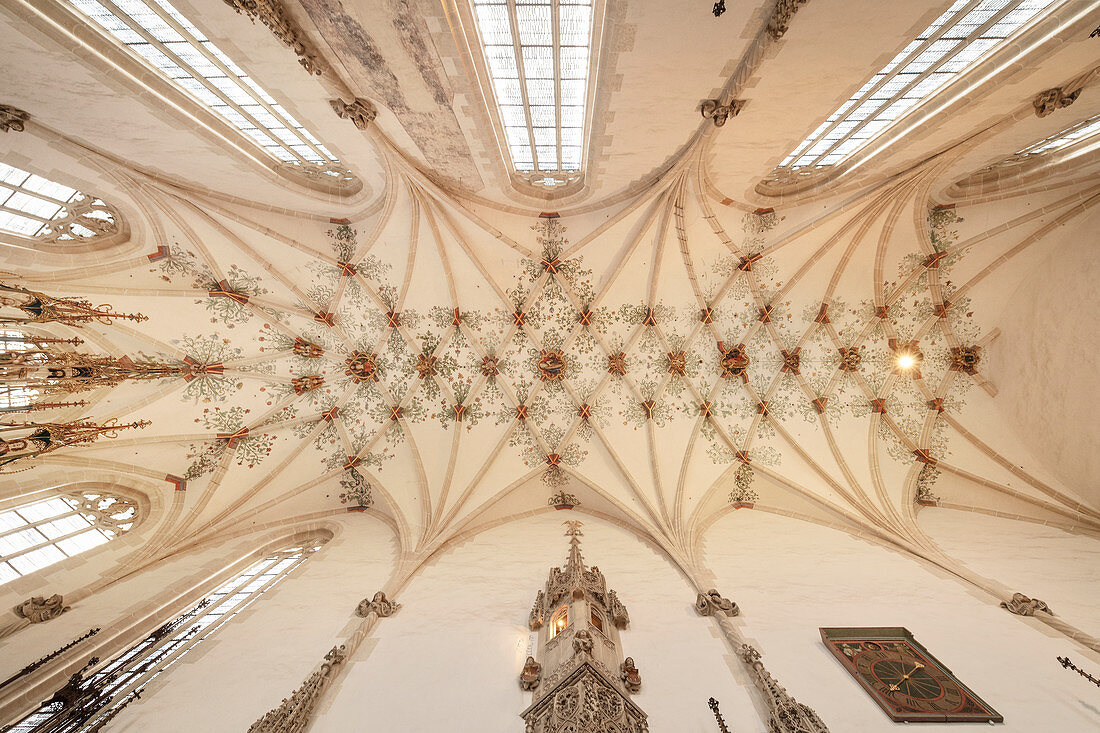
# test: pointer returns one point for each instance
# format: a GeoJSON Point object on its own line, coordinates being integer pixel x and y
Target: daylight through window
{"type": "Point", "coordinates": [968, 32]}
{"type": "Point", "coordinates": [102, 693]}
{"type": "Point", "coordinates": [538, 53]}
{"type": "Point", "coordinates": [44, 532]}
{"type": "Point", "coordinates": [170, 43]}
{"type": "Point", "coordinates": [36, 208]}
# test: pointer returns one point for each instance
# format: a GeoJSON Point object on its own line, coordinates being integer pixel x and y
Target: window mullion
{"type": "Point", "coordinates": [932, 68]}
{"type": "Point", "coordinates": [517, 49]}
{"type": "Point", "coordinates": [555, 40]}
{"type": "Point", "coordinates": [136, 28]}
{"type": "Point", "coordinates": [24, 214]}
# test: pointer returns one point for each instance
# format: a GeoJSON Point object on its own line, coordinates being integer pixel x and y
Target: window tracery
{"type": "Point", "coordinates": [46, 211]}
{"type": "Point", "coordinates": [168, 42]}
{"type": "Point", "coordinates": [47, 531]}
{"type": "Point", "coordinates": [955, 42]}
{"type": "Point", "coordinates": [92, 698]}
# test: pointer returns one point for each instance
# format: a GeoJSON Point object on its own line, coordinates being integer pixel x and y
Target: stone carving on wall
{"type": "Point", "coordinates": [1053, 99]}
{"type": "Point", "coordinates": [537, 619]}
{"type": "Point", "coordinates": [1021, 605]}
{"type": "Point", "coordinates": [12, 119]}
{"type": "Point", "coordinates": [787, 714]}
{"type": "Point", "coordinates": [38, 609]}
{"type": "Point", "coordinates": [619, 616]}
{"type": "Point", "coordinates": [718, 113]}
{"type": "Point", "coordinates": [585, 701]}
{"type": "Point", "coordinates": [382, 607]}
{"type": "Point", "coordinates": [582, 642]}
{"type": "Point", "coordinates": [293, 715]}
{"type": "Point", "coordinates": [711, 602]}
{"type": "Point", "coordinates": [272, 14]}
{"type": "Point", "coordinates": [360, 111]}
{"type": "Point", "coordinates": [531, 675]}
{"type": "Point", "coordinates": [629, 674]}
{"type": "Point", "coordinates": [781, 18]}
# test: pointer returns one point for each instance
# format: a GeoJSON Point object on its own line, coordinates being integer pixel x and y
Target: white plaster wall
{"type": "Point", "coordinates": [449, 659]}
{"type": "Point", "coordinates": [1058, 567]}
{"type": "Point", "coordinates": [1044, 362]}
{"type": "Point", "coordinates": [790, 578]}
{"type": "Point", "coordinates": [259, 657]}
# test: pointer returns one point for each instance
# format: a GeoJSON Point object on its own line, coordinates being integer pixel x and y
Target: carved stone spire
{"type": "Point", "coordinates": [787, 714]}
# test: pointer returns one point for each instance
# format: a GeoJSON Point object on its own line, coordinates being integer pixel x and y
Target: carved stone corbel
{"type": "Point", "coordinates": [711, 602]}
{"type": "Point", "coordinates": [379, 605]}
{"type": "Point", "coordinates": [1021, 605]}
{"type": "Point", "coordinates": [272, 14]}
{"type": "Point", "coordinates": [781, 18]}
{"type": "Point", "coordinates": [12, 119]}
{"type": "Point", "coordinates": [718, 113]}
{"type": "Point", "coordinates": [38, 609]}
{"type": "Point", "coordinates": [1050, 100]}
{"type": "Point", "coordinates": [293, 715]}
{"type": "Point", "coordinates": [629, 674]}
{"type": "Point", "coordinates": [360, 111]}
{"type": "Point", "coordinates": [531, 676]}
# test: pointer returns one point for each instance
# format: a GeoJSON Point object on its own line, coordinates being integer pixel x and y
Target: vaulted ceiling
{"type": "Point", "coordinates": [653, 344]}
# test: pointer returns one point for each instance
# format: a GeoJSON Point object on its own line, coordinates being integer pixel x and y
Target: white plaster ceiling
{"type": "Point", "coordinates": [426, 240]}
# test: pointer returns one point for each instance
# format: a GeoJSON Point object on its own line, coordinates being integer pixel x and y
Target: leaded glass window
{"type": "Point", "coordinates": [14, 356]}
{"type": "Point", "coordinates": [47, 531]}
{"type": "Point", "coordinates": [969, 31]}
{"type": "Point", "coordinates": [1065, 138]}
{"type": "Point", "coordinates": [538, 54]}
{"type": "Point", "coordinates": [168, 42]}
{"type": "Point", "coordinates": [37, 208]}
{"type": "Point", "coordinates": [105, 689]}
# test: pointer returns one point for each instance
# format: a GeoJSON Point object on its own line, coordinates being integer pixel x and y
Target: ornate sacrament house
{"type": "Point", "coordinates": [580, 679]}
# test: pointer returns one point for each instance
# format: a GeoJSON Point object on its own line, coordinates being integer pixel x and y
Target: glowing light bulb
{"type": "Point", "coordinates": [906, 361]}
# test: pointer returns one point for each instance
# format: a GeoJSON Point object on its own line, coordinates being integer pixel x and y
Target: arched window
{"type": "Point", "coordinates": [559, 621]}
{"type": "Point", "coordinates": [40, 209]}
{"type": "Point", "coordinates": [43, 532]}
{"type": "Point", "coordinates": [968, 32]}
{"type": "Point", "coordinates": [171, 44]}
{"type": "Point", "coordinates": [539, 54]}
{"type": "Point", "coordinates": [101, 694]}
{"type": "Point", "coordinates": [597, 620]}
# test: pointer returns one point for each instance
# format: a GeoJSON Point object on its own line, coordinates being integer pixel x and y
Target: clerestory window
{"type": "Point", "coordinates": [1065, 138]}
{"type": "Point", "coordinates": [969, 31]}
{"type": "Point", "coordinates": [43, 532]}
{"type": "Point", "coordinates": [101, 694]}
{"type": "Point", "coordinates": [538, 53]}
{"type": "Point", "coordinates": [37, 208]}
{"type": "Point", "coordinates": [171, 44]}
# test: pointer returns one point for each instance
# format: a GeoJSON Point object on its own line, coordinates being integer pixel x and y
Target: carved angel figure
{"type": "Point", "coordinates": [531, 675]}
{"type": "Point", "coordinates": [38, 609]}
{"type": "Point", "coordinates": [379, 605]}
{"type": "Point", "coordinates": [630, 675]}
{"type": "Point", "coordinates": [582, 642]}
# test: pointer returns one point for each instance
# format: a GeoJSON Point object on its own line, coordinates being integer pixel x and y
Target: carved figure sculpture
{"type": "Point", "coordinates": [12, 119]}
{"type": "Point", "coordinates": [1053, 99]}
{"type": "Point", "coordinates": [582, 642]}
{"type": "Point", "coordinates": [38, 608]}
{"type": "Point", "coordinates": [379, 605]}
{"type": "Point", "coordinates": [360, 111]}
{"type": "Point", "coordinates": [630, 675]}
{"type": "Point", "coordinates": [1021, 605]}
{"type": "Point", "coordinates": [711, 602]}
{"type": "Point", "coordinates": [531, 675]}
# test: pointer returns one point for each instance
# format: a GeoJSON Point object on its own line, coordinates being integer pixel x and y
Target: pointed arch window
{"type": "Point", "coordinates": [968, 32]}
{"type": "Point", "coordinates": [539, 54]}
{"type": "Point", "coordinates": [168, 42]}
{"type": "Point", "coordinates": [103, 692]}
{"type": "Point", "coordinates": [41, 533]}
{"type": "Point", "coordinates": [37, 208]}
